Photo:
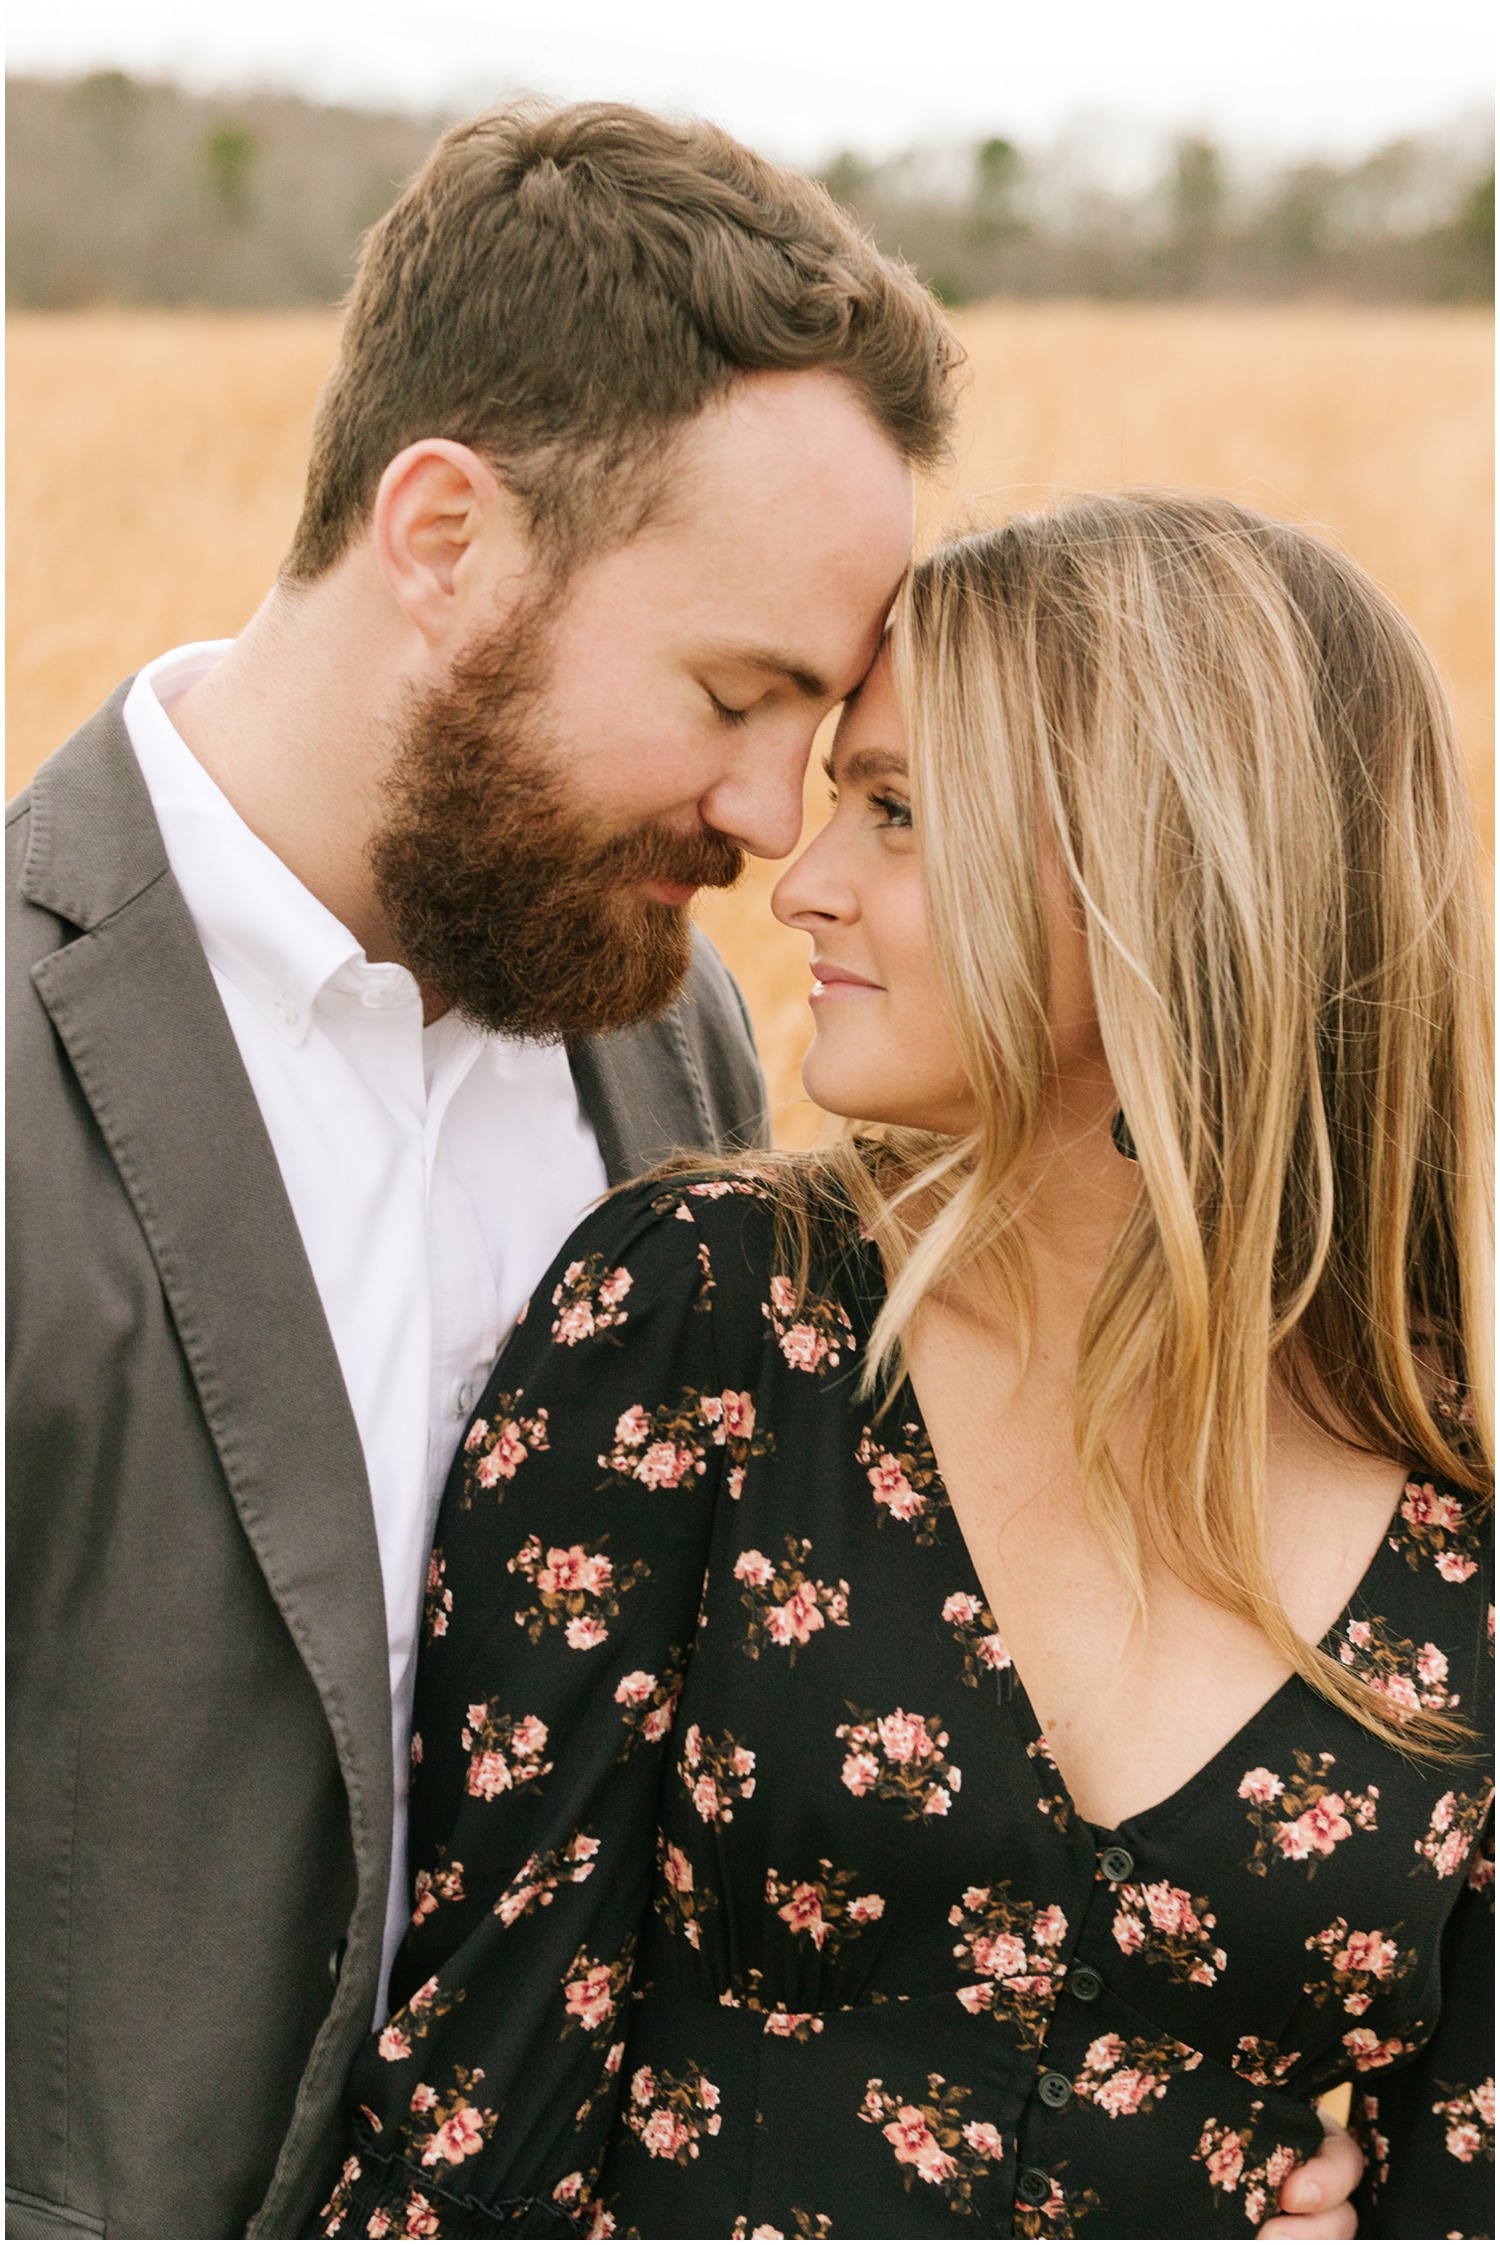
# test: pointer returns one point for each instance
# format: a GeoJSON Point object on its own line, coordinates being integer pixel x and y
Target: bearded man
{"type": "Point", "coordinates": [350, 961]}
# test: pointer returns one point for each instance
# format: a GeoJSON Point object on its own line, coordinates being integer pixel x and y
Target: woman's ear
{"type": "Point", "coordinates": [448, 537]}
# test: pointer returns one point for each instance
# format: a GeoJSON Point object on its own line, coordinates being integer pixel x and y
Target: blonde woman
{"type": "Point", "coordinates": [956, 1689]}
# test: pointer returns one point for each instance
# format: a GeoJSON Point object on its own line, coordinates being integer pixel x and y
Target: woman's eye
{"type": "Point", "coordinates": [723, 712]}
{"type": "Point", "coordinates": [896, 810]}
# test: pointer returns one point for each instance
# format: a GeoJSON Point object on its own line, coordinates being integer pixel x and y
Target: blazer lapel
{"type": "Point", "coordinates": [134, 1002]}
{"type": "Point", "coordinates": [640, 1089]}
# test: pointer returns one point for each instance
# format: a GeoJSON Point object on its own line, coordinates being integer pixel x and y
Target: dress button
{"type": "Point", "coordinates": [1033, 2186]}
{"type": "Point", "coordinates": [1116, 1863]}
{"type": "Point", "coordinates": [1055, 2090]}
{"type": "Point", "coordinates": [1085, 1984]}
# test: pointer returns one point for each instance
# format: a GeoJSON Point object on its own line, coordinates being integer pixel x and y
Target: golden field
{"type": "Point", "coordinates": [155, 464]}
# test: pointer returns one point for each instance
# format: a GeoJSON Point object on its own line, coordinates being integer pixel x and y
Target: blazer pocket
{"type": "Point", "coordinates": [28, 2216]}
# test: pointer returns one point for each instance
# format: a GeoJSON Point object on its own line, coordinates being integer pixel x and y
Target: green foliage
{"type": "Point", "coordinates": [230, 154]}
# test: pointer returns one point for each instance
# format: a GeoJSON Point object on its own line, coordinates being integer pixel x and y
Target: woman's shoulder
{"type": "Point", "coordinates": [726, 1234]}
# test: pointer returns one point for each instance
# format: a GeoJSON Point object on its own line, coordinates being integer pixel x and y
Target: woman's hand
{"type": "Point", "coordinates": [1315, 2197]}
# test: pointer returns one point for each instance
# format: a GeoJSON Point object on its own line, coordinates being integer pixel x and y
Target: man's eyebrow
{"type": "Point", "coordinates": [773, 660]}
{"type": "Point", "coordinates": [867, 764]}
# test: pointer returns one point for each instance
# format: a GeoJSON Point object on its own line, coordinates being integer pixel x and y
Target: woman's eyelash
{"type": "Point", "coordinates": [896, 809]}
{"type": "Point", "coordinates": [724, 713]}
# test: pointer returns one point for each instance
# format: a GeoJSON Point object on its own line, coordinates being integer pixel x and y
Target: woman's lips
{"type": "Point", "coordinates": [830, 982]}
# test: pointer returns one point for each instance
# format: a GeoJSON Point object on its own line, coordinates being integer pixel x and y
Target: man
{"type": "Point", "coordinates": [350, 961]}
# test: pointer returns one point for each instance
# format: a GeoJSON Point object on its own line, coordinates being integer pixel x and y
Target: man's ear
{"type": "Point", "coordinates": [446, 532]}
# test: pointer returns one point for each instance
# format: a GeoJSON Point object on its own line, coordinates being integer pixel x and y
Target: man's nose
{"type": "Point", "coordinates": [761, 806]}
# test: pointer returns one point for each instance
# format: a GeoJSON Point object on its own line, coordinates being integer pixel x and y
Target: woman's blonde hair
{"type": "Point", "coordinates": [1241, 755]}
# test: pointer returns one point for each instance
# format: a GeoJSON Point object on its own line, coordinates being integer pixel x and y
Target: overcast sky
{"type": "Point", "coordinates": [802, 78]}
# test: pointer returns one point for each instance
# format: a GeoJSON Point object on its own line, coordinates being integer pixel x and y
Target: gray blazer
{"type": "Point", "coordinates": [199, 1721]}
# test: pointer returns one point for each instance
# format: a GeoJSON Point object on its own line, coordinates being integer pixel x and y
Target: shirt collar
{"type": "Point", "coordinates": [258, 924]}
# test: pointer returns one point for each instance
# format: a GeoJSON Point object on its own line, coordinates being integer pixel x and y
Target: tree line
{"type": "Point", "coordinates": [128, 192]}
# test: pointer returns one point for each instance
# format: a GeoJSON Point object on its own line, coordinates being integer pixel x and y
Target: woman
{"type": "Point", "coordinates": [954, 1699]}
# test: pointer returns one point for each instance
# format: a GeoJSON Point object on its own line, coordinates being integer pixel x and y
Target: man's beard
{"type": "Point", "coordinates": [504, 901]}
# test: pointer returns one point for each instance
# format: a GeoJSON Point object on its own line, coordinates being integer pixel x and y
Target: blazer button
{"type": "Point", "coordinates": [1085, 1984]}
{"type": "Point", "coordinates": [336, 1961]}
{"type": "Point", "coordinates": [1055, 2090]}
{"type": "Point", "coordinates": [1033, 2186]}
{"type": "Point", "coordinates": [1116, 1863]}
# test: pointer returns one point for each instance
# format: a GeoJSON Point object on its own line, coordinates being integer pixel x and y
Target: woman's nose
{"type": "Point", "coordinates": [810, 893]}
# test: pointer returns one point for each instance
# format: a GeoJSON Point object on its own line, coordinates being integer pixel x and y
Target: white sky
{"type": "Point", "coordinates": [801, 78]}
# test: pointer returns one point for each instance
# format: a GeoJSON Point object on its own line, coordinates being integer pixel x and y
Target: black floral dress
{"type": "Point", "coordinates": [748, 1900]}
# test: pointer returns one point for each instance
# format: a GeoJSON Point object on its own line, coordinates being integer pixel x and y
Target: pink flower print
{"type": "Point", "coordinates": [978, 1998]}
{"type": "Point", "coordinates": [421, 2218]}
{"type": "Point", "coordinates": [994, 1651]}
{"type": "Point", "coordinates": [664, 2135]}
{"type": "Point", "coordinates": [473, 1438]}
{"type": "Point", "coordinates": [1226, 2163]}
{"type": "Point", "coordinates": [635, 1689]}
{"type": "Point", "coordinates": [678, 1870]}
{"type": "Point", "coordinates": [1484, 2101]}
{"type": "Point", "coordinates": [1001, 1955]}
{"type": "Point", "coordinates": [860, 1772]}
{"type": "Point", "coordinates": [739, 1413]}
{"type": "Point", "coordinates": [742, 1762]}
{"type": "Point", "coordinates": [939, 1800]}
{"type": "Point", "coordinates": [1360, 1634]}
{"type": "Point", "coordinates": [590, 1999]}
{"type": "Point", "coordinates": [786, 2023]}
{"type": "Point", "coordinates": [1432, 1665]}
{"type": "Point", "coordinates": [692, 1746]}
{"type": "Point", "coordinates": [735, 1480]}
{"type": "Point", "coordinates": [393, 2044]}
{"type": "Point", "coordinates": [1260, 1785]}
{"type": "Point", "coordinates": [459, 2138]}
{"type": "Point", "coordinates": [1367, 1952]}
{"type": "Point", "coordinates": [1454, 1567]}
{"type": "Point", "coordinates": [866, 1908]}
{"type": "Point", "coordinates": [705, 1799]}
{"type": "Point", "coordinates": [804, 1347]}
{"type": "Point", "coordinates": [615, 1288]}
{"type": "Point", "coordinates": [753, 1567]}
{"type": "Point", "coordinates": [1368, 2051]}
{"type": "Point", "coordinates": [892, 1489]}
{"type": "Point", "coordinates": [574, 1324]}
{"type": "Point", "coordinates": [632, 1427]}
{"type": "Point", "coordinates": [423, 2098]}
{"type": "Point", "coordinates": [574, 1569]}
{"type": "Point", "coordinates": [489, 1776]}
{"type": "Point", "coordinates": [916, 2146]}
{"type": "Point", "coordinates": [656, 1725]}
{"type": "Point", "coordinates": [1171, 1909]}
{"type": "Point", "coordinates": [783, 1298]}
{"type": "Point", "coordinates": [1104, 2052]}
{"type": "Point", "coordinates": [666, 1465]}
{"type": "Point", "coordinates": [585, 1631]}
{"type": "Point", "coordinates": [962, 1606]}
{"type": "Point", "coordinates": [1050, 1927]}
{"type": "Point", "coordinates": [903, 1737]}
{"type": "Point", "coordinates": [803, 1912]}
{"type": "Point", "coordinates": [1129, 1932]}
{"type": "Point", "coordinates": [1423, 1507]}
{"type": "Point", "coordinates": [985, 2138]}
{"type": "Point", "coordinates": [1463, 2140]}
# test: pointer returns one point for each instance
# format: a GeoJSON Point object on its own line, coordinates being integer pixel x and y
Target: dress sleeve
{"type": "Point", "coordinates": [562, 1598]}
{"type": "Point", "coordinates": [1428, 2131]}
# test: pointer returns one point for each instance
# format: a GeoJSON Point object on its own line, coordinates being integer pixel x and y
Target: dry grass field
{"type": "Point", "coordinates": [155, 463]}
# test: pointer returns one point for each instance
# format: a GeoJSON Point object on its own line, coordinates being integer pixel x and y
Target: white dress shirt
{"type": "Point", "coordinates": [433, 1173]}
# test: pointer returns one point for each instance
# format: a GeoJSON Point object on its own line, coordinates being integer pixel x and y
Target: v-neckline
{"type": "Point", "coordinates": [906, 1407]}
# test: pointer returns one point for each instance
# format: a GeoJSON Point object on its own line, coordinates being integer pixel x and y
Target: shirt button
{"type": "Point", "coordinates": [290, 1014]}
{"type": "Point", "coordinates": [1116, 1863]}
{"type": "Point", "coordinates": [1085, 1984]}
{"type": "Point", "coordinates": [463, 1398]}
{"type": "Point", "coordinates": [1055, 2090]}
{"type": "Point", "coordinates": [1033, 2186]}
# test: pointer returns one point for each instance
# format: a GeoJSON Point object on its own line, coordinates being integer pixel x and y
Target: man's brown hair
{"type": "Point", "coordinates": [564, 288]}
